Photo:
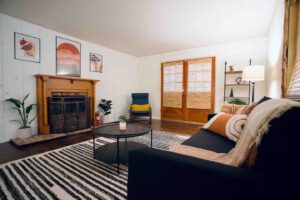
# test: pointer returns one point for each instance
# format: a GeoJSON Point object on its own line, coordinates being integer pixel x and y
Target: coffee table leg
{"type": "Point", "coordinates": [118, 156]}
{"type": "Point", "coordinates": [151, 138]}
{"type": "Point", "coordinates": [94, 145]}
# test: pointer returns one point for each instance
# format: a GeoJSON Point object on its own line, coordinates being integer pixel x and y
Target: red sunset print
{"type": "Point", "coordinates": [68, 59]}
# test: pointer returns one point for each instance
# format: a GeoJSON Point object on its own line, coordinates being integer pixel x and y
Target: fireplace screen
{"type": "Point", "coordinates": [68, 113]}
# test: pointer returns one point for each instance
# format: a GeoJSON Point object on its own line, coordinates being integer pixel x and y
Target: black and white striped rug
{"type": "Point", "coordinates": [72, 173]}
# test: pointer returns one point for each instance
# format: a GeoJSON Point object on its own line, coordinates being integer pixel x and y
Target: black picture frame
{"type": "Point", "coordinates": [66, 74]}
{"type": "Point", "coordinates": [38, 49]}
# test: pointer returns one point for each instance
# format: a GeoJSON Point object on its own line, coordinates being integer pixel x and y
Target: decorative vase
{"type": "Point", "coordinates": [231, 69]}
{"type": "Point", "coordinates": [231, 93]}
{"type": "Point", "coordinates": [122, 125]}
{"type": "Point", "coordinates": [24, 133]}
{"type": "Point", "coordinates": [105, 119]}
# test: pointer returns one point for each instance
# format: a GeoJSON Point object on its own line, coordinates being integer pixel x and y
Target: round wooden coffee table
{"type": "Point", "coordinates": [117, 152]}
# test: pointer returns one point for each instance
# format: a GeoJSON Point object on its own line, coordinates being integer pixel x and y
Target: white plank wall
{"type": "Point", "coordinates": [118, 80]}
{"type": "Point", "coordinates": [1, 84]}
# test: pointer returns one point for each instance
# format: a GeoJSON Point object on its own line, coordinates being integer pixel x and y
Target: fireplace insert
{"type": "Point", "coordinates": [68, 113]}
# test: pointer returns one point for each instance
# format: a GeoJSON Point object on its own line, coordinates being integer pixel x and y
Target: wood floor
{"type": "Point", "coordinates": [9, 152]}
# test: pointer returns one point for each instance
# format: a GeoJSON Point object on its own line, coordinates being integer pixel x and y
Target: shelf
{"type": "Point", "coordinates": [237, 85]}
{"type": "Point", "coordinates": [230, 85]}
{"type": "Point", "coordinates": [237, 97]}
{"type": "Point", "coordinates": [234, 72]}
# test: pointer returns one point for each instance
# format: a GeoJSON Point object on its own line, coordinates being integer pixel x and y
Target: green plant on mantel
{"type": "Point", "coordinates": [23, 111]}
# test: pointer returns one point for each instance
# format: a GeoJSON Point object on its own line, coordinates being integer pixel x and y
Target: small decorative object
{"type": "Point", "coordinates": [24, 130]}
{"type": "Point", "coordinates": [237, 101]}
{"type": "Point", "coordinates": [122, 123]}
{"type": "Point", "coordinates": [105, 107]}
{"type": "Point", "coordinates": [239, 80]}
{"type": "Point", "coordinates": [231, 69]}
{"type": "Point", "coordinates": [68, 57]}
{"type": "Point", "coordinates": [97, 118]}
{"type": "Point", "coordinates": [96, 63]}
{"type": "Point", "coordinates": [27, 48]}
{"type": "Point", "coordinates": [231, 93]}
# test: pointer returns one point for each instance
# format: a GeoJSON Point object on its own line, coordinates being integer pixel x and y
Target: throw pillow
{"type": "Point", "coordinates": [230, 108]}
{"type": "Point", "coordinates": [245, 110]}
{"type": "Point", "coordinates": [227, 125]}
{"type": "Point", "coordinates": [140, 107]}
{"type": "Point", "coordinates": [263, 100]}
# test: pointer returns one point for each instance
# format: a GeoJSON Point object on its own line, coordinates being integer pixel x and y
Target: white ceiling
{"type": "Point", "coordinates": [144, 27]}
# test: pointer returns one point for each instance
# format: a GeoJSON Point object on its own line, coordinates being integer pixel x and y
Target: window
{"type": "Point", "coordinates": [291, 64]}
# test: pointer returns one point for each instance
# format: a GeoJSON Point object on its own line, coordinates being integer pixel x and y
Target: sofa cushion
{"type": "Point", "coordinates": [263, 100]}
{"type": "Point", "coordinates": [230, 108]}
{"type": "Point", "coordinates": [245, 109]}
{"type": "Point", "coordinates": [210, 141]}
{"type": "Point", "coordinates": [229, 126]}
{"type": "Point", "coordinates": [140, 107]}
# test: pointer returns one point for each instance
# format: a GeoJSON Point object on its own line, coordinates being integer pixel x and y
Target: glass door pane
{"type": "Point", "coordinates": [199, 84]}
{"type": "Point", "coordinates": [172, 84]}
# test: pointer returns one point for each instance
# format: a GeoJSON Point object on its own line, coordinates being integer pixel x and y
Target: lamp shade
{"type": "Point", "coordinates": [254, 73]}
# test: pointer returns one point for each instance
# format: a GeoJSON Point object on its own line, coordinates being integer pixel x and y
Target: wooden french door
{"type": "Point", "coordinates": [188, 89]}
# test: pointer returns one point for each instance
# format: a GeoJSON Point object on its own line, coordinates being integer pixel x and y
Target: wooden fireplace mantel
{"type": "Point", "coordinates": [49, 84]}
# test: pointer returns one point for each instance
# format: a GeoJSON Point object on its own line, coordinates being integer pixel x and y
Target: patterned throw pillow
{"type": "Point", "coordinates": [245, 109]}
{"type": "Point", "coordinates": [227, 125]}
{"type": "Point", "coordinates": [230, 108]}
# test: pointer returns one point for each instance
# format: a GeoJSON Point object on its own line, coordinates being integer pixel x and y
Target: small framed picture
{"type": "Point", "coordinates": [27, 48]}
{"type": "Point", "coordinates": [68, 57]}
{"type": "Point", "coordinates": [96, 63]}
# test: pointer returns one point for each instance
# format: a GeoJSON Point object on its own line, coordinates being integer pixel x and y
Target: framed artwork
{"type": "Point", "coordinates": [96, 63]}
{"type": "Point", "coordinates": [68, 57]}
{"type": "Point", "coordinates": [27, 48]}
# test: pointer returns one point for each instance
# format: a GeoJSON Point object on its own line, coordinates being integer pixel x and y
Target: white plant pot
{"type": "Point", "coordinates": [122, 125]}
{"type": "Point", "coordinates": [24, 133]}
{"type": "Point", "coordinates": [105, 119]}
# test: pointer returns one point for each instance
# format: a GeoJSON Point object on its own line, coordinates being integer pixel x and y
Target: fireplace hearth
{"type": "Point", "coordinates": [68, 113]}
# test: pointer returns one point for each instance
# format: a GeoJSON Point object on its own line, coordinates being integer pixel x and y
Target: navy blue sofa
{"type": "Point", "coordinates": [157, 174]}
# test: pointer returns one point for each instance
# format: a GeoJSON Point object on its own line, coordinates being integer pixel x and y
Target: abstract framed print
{"type": "Point", "coordinates": [27, 48]}
{"type": "Point", "coordinates": [68, 57]}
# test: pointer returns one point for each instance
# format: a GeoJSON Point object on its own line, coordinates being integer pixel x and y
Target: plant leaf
{"type": "Point", "coordinates": [21, 115]}
{"type": "Point", "coordinates": [29, 108]}
{"type": "Point", "coordinates": [32, 120]}
{"type": "Point", "coordinates": [16, 102]}
{"type": "Point", "coordinates": [27, 95]}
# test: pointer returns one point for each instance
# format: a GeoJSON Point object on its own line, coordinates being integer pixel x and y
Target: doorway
{"type": "Point", "coordinates": [188, 89]}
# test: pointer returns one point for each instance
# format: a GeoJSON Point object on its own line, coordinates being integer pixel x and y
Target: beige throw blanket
{"type": "Point", "coordinates": [245, 150]}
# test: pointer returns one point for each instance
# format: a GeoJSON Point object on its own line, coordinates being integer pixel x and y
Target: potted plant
{"type": "Point", "coordinates": [122, 123]}
{"type": "Point", "coordinates": [23, 111]}
{"type": "Point", "coordinates": [238, 102]}
{"type": "Point", "coordinates": [105, 107]}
